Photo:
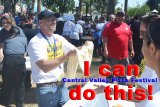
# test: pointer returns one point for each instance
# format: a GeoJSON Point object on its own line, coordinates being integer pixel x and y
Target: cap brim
{"type": "Point", "coordinates": [120, 14]}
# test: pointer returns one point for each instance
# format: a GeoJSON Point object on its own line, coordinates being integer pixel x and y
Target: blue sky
{"type": "Point", "coordinates": [131, 3]}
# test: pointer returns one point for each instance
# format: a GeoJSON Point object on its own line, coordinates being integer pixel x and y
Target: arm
{"type": "Point", "coordinates": [105, 35]}
{"type": "Point", "coordinates": [47, 65]}
{"type": "Point", "coordinates": [38, 55]}
{"type": "Point", "coordinates": [131, 48]}
{"type": "Point", "coordinates": [1, 51]}
{"type": "Point", "coordinates": [105, 53]}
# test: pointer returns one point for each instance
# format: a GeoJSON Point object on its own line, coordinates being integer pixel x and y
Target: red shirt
{"type": "Point", "coordinates": [118, 37]}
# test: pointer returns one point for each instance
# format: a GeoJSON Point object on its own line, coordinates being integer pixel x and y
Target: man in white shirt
{"type": "Point", "coordinates": [77, 33]}
{"type": "Point", "coordinates": [47, 52]}
{"type": "Point", "coordinates": [68, 29]}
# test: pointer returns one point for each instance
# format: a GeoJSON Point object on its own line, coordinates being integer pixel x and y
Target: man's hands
{"type": "Point", "coordinates": [71, 53]}
{"type": "Point", "coordinates": [132, 54]}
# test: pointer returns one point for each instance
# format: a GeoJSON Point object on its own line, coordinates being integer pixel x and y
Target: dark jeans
{"type": "Point", "coordinates": [28, 84]}
{"type": "Point", "coordinates": [75, 42]}
{"type": "Point", "coordinates": [13, 76]}
{"type": "Point", "coordinates": [113, 62]}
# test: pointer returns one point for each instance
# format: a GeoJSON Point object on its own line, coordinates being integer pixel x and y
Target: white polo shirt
{"type": "Point", "coordinates": [68, 28]}
{"type": "Point", "coordinates": [77, 29]}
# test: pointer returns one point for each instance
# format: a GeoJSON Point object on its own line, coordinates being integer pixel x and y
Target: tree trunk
{"type": "Point", "coordinates": [39, 6]}
{"type": "Point", "coordinates": [87, 9]}
{"type": "Point", "coordinates": [80, 7]}
{"type": "Point", "coordinates": [14, 7]}
{"type": "Point", "coordinates": [102, 11]}
{"type": "Point", "coordinates": [90, 7]}
{"type": "Point", "coordinates": [64, 6]}
{"type": "Point", "coordinates": [110, 7]}
{"type": "Point", "coordinates": [125, 7]}
{"type": "Point", "coordinates": [33, 3]}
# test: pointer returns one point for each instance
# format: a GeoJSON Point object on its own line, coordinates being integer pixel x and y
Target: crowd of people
{"type": "Point", "coordinates": [45, 37]}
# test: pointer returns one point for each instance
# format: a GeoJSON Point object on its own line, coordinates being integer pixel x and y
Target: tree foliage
{"type": "Point", "coordinates": [94, 5]}
{"type": "Point", "coordinates": [61, 6]}
{"type": "Point", "coordinates": [153, 4]}
{"type": "Point", "coordinates": [141, 10]}
{"type": "Point", "coordinates": [9, 5]}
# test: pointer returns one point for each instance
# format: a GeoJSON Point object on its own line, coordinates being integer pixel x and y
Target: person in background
{"type": "Point", "coordinates": [154, 12]}
{"type": "Point", "coordinates": [137, 41]}
{"type": "Point", "coordinates": [22, 23]}
{"type": "Point", "coordinates": [98, 40]}
{"type": "Point", "coordinates": [13, 43]}
{"type": "Point", "coordinates": [60, 25]}
{"type": "Point", "coordinates": [111, 19]}
{"type": "Point", "coordinates": [47, 52]}
{"type": "Point", "coordinates": [17, 18]}
{"type": "Point", "coordinates": [30, 33]}
{"type": "Point", "coordinates": [77, 33]}
{"type": "Point", "coordinates": [117, 39]}
{"type": "Point", "coordinates": [87, 28]}
{"type": "Point", "coordinates": [68, 28]}
{"type": "Point", "coordinates": [148, 72]}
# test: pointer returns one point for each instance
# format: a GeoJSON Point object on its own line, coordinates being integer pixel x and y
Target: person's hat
{"type": "Point", "coordinates": [154, 11]}
{"type": "Point", "coordinates": [120, 13]}
{"type": "Point", "coordinates": [47, 14]}
{"type": "Point", "coordinates": [60, 19]}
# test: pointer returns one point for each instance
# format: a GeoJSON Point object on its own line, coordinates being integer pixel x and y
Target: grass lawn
{"type": "Point", "coordinates": [30, 100]}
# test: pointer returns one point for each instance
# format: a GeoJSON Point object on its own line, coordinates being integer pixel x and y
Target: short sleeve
{"type": "Point", "coordinates": [1, 36]}
{"type": "Point", "coordinates": [35, 50]}
{"type": "Point", "coordinates": [105, 32]}
{"type": "Point", "coordinates": [24, 36]}
{"type": "Point", "coordinates": [81, 29]}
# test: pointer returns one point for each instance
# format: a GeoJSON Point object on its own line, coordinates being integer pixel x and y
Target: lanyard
{"type": "Point", "coordinates": [55, 47]}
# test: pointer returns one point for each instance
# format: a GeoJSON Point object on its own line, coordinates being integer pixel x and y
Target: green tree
{"type": "Point", "coordinates": [153, 4]}
{"type": "Point", "coordinates": [111, 7]}
{"type": "Point", "coordinates": [100, 6]}
{"type": "Point", "coordinates": [95, 5]}
{"type": "Point", "coordinates": [59, 5]}
{"type": "Point", "coordinates": [141, 10]}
